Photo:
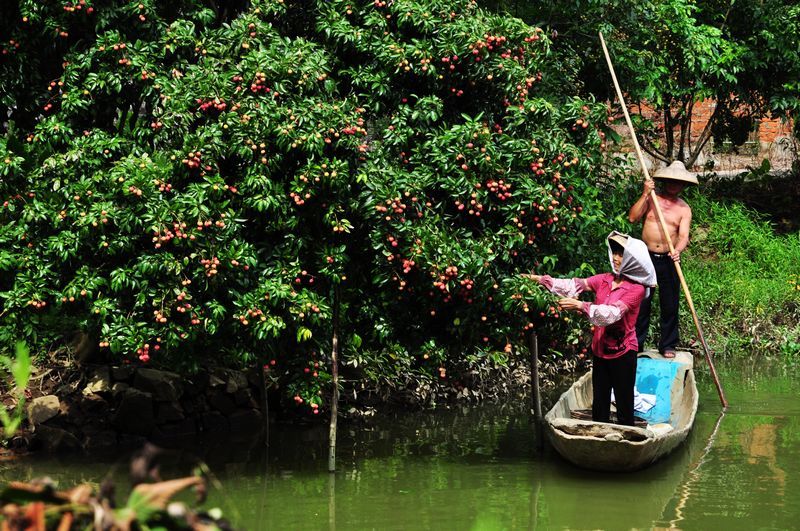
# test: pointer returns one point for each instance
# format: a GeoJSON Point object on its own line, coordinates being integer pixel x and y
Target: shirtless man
{"type": "Point", "coordinates": [678, 216]}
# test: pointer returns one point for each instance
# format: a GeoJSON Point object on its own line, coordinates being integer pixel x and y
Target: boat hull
{"type": "Point", "coordinates": [611, 447]}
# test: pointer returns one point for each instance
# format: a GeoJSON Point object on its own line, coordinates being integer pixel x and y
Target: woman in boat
{"type": "Point", "coordinates": [613, 314]}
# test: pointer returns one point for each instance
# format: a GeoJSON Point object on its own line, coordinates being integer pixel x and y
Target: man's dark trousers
{"type": "Point", "coordinates": [669, 290]}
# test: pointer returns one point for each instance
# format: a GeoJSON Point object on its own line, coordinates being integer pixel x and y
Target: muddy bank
{"type": "Point", "coordinates": [107, 408]}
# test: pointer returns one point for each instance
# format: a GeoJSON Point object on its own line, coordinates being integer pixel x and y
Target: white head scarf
{"type": "Point", "coordinates": [636, 264]}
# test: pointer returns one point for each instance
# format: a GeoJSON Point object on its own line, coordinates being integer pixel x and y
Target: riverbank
{"type": "Point", "coordinates": [102, 408]}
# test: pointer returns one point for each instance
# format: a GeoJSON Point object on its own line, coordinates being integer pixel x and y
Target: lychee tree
{"type": "Point", "coordinates": [195, 185]}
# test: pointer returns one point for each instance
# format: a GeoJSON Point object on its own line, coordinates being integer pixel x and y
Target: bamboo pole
{"type": "Point", "coordinates": [664, 228]}
{"type": "Point", "coordinates": [536, 397]}
{"type": "Point", "coordinates": [332, 502]}
{"type": "Point", "coordinates": [265, 404]}
{"type": "Point", "coordinates": [335, 383]}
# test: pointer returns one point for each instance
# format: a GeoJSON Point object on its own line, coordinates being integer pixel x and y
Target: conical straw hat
{"type": "Point", "coordinates": [675, 172]}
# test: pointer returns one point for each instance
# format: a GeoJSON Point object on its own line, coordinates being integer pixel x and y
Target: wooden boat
{"type": "Point", "coordinates": [611, 447]}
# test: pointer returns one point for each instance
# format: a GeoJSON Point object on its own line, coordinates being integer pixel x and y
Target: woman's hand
{"type": "Point", "coordinates": [531, 276]}
{"type": "Point", "coordinates": [569, 304]}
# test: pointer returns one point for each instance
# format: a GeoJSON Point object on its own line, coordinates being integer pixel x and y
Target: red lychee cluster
{"type": "Point", "coordinates": [580, 124]}
{"type": "Point", "coordinates": [451, 61]}
{"type": "Point", "coordinates": [473, 207]}
{"type": "Point", "coordinates": [398, 207]}
{"type": "Point", "coordinates": [408, 265]}
{"type": "Point", "coordinates": [209, 105]}
{"type": "Point", "coordinates": [7, 202]}
{"type": "Point", "coordinates": [13, 47]}
{"type": "Point", "coordinates": [165, 235]}
{"type": "Point", "coordinates": [163, 186]}
{"type": "Point", "coordinates": [299, 199]}
{"type": "Point", "coordinates": [252, 313]}
{"type": "Point", "coordinates": [143, 352]}
{"type": "Point", "coordinates": [77, 7]}
{"type": "Point", "coordinates": [259, 84]}
{"type": "Point", "coordinates": [499, 188]}
{"type": "Point", "coordinates": [210, 266]}
{"type": "Point", "coordinates": [304, 276]}
{"type": "Point", "coordinates": [450, 272]}
{"type": "Point", "coordinates": [194, 160]}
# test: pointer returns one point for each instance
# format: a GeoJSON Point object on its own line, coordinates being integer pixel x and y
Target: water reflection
{"type": "Point", "coordinates": [684, 490]}
{"type": "Point", "coordinates": [761, 446]}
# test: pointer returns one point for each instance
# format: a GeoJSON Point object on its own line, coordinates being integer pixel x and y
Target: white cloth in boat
{"type": "Point", "coordinates": [642, 402]}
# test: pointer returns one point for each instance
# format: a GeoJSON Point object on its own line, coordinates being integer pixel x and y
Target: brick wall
{"type": "Point", "coordinates": [769, 130]}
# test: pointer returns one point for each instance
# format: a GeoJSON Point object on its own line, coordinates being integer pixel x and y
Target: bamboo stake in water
{"type": "Point", "coordinates": [664, 228]}
{"type": "Point", "coordinates": [536, 398]}
{"type": "Point", "coordinates": [335, 383]}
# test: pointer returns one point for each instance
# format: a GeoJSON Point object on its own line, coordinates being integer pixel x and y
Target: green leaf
{"type": "Point", "coordinates": [303, 334]}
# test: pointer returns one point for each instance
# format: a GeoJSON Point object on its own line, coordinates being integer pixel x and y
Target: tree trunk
{"type": "Point", "coordinates": [669, 132]}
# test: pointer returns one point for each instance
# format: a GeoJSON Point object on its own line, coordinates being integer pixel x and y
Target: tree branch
{"type": "Point", "coordinates": [685, 122]}
{"type": "Point", "coordinates": [690, 112]}
{"type": "Point", "coordinates": [705, 135]}
{"type": "Point", "coordinates": [653, 152]}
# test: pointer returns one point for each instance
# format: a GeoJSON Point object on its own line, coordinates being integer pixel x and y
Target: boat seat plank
{"type": "Point", "coordinates": [586, 414]}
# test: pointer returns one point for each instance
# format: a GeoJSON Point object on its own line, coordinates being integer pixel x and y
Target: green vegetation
{"type": "Point", "coordinates": [745, 280]}
{"type": "Point", "coordinates": [18, 373]}
{"type": "Point", "coordinates": [188, 185]}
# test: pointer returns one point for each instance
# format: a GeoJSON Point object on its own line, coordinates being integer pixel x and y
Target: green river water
{"type": "Point", "coordinates": [478, 468]}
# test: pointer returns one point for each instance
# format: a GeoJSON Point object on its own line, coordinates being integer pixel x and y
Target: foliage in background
{"type": "Point", "coordinates": [671, 54]}
{"type": "Point", "coordinates": [190, 182]}
{"type": "Point", "coordinates": [18, 373]}
{"type": "Point", "coordinates": [774, 195]}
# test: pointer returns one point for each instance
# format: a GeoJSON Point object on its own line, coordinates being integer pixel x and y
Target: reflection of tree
{"type": "Point", "coordinates": [761, 444]}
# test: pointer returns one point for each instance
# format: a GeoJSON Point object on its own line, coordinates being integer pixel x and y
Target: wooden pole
{"type": "Point", "coordinates": [265, 403]}
{"type": "Point", "coordinates": [663, 223]}
{"type": "Point", "coordinates": [536, 398]}
{"type": "Point", "coordinates": [335, 383]}
{"type": "Point", "coordinates": [332, 502]}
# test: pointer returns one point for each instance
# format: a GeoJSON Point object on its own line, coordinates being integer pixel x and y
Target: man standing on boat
{"type": "Point", "coordinates": [678, 216]}
{"type": "Point", "coordinates": [613, 313]}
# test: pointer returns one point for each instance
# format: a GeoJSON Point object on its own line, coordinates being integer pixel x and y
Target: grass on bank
{"type": "Point", "coordinates": [744, 279]}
